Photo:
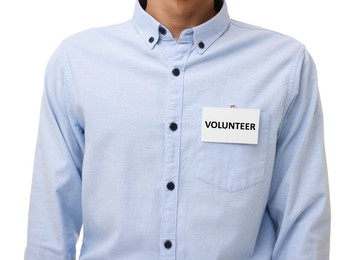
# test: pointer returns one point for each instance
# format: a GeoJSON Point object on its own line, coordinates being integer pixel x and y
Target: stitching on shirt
{"type": "Point", "coordinates": [290, 84]}
{"type": "Point", "coordinates": [69, 84]}
{"type": "Point", "coordinates": [292, 77]}
{"type": "Point", "coordinates": [69, 100]}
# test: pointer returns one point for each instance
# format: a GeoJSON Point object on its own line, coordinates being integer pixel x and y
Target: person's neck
{"type": "Point", "coordinates": [178, 15]}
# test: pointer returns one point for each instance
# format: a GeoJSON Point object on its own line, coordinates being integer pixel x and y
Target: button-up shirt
{"type": "Point", "coordinates": [119, 150]}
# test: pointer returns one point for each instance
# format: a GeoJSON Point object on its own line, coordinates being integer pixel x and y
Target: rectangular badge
{"type": "Point", "coordinates": [230, 125]}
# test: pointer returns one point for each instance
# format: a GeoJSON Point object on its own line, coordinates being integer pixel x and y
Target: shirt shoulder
{"type": "Point", "coordinates": [268, 37]}
{"type": "Point", "coordinates": [99, 37]}
{"type": "Point", "coordinates": [261, 30]}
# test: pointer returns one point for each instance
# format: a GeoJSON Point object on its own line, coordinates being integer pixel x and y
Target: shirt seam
{"type": "Point", "coordinates": [69, 92]}
{"type": "Point", "coordinates": [291, 81]}
{"type": "Point", "coordinates": [293, 73]}
{"type": "Point", "coordinates": [69, 100]}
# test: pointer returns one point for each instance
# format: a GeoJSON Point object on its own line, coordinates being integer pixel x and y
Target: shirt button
{"type": "Point", "coordinates": [170, 185]}
{"type": "Point", "coordinates": [173, 126]}
{"type": "Point", "coordinates": [151, 39]}
{"type": "Point", "coordinates": [168, 244]}
{"type": "Point", "coordinates": [201, 45]}
{"type": "Point", "coordinates": [176, 72]}
{"type": "Point", "coordinates": [162, 30]}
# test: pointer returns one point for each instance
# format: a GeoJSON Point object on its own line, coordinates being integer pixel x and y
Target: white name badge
{"type": "Point", "coordinates": [230, 125]}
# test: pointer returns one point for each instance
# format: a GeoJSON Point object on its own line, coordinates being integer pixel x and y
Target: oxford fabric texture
{"type": "Point", "coordinates": [119, 152]}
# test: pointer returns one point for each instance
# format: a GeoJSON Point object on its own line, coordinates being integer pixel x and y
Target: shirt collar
{"type": "Point", "coordinates": [204, 35]}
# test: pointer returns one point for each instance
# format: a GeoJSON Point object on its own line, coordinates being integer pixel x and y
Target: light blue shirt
{"type": "Point", "coordinates": [119, 147]}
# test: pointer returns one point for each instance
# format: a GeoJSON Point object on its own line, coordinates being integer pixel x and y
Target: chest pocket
{"type": "Point", "coordinates": [232, 166]}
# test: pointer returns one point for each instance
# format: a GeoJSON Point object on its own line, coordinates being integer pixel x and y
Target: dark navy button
{"type": "Point", "coordinates": [162, 30]}
{"type": "Point", "coordinates": [151, 39]}
{"type": "Point", "coordinates": [173, 126]}
{"type": "Point", "coordinates": [176, 72]}
{"type": "Point", "coordinates": [168, 244]}
{"type": "Point", "coordinates": [170, 185]}
{"type": "Point", "coordinates": [201, 45]}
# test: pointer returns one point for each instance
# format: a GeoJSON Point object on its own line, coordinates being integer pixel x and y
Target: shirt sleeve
{"type": "Point", "coordinates": [299, 201]}
{"type": "Point", "coordinates": [55, 216]}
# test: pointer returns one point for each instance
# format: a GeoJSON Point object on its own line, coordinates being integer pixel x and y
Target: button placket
{"type": "Point", "coordinates": [177, 56]}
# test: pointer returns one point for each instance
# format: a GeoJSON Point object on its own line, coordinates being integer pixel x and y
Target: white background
{"type": "Point", "coordinates": [31, 30]}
